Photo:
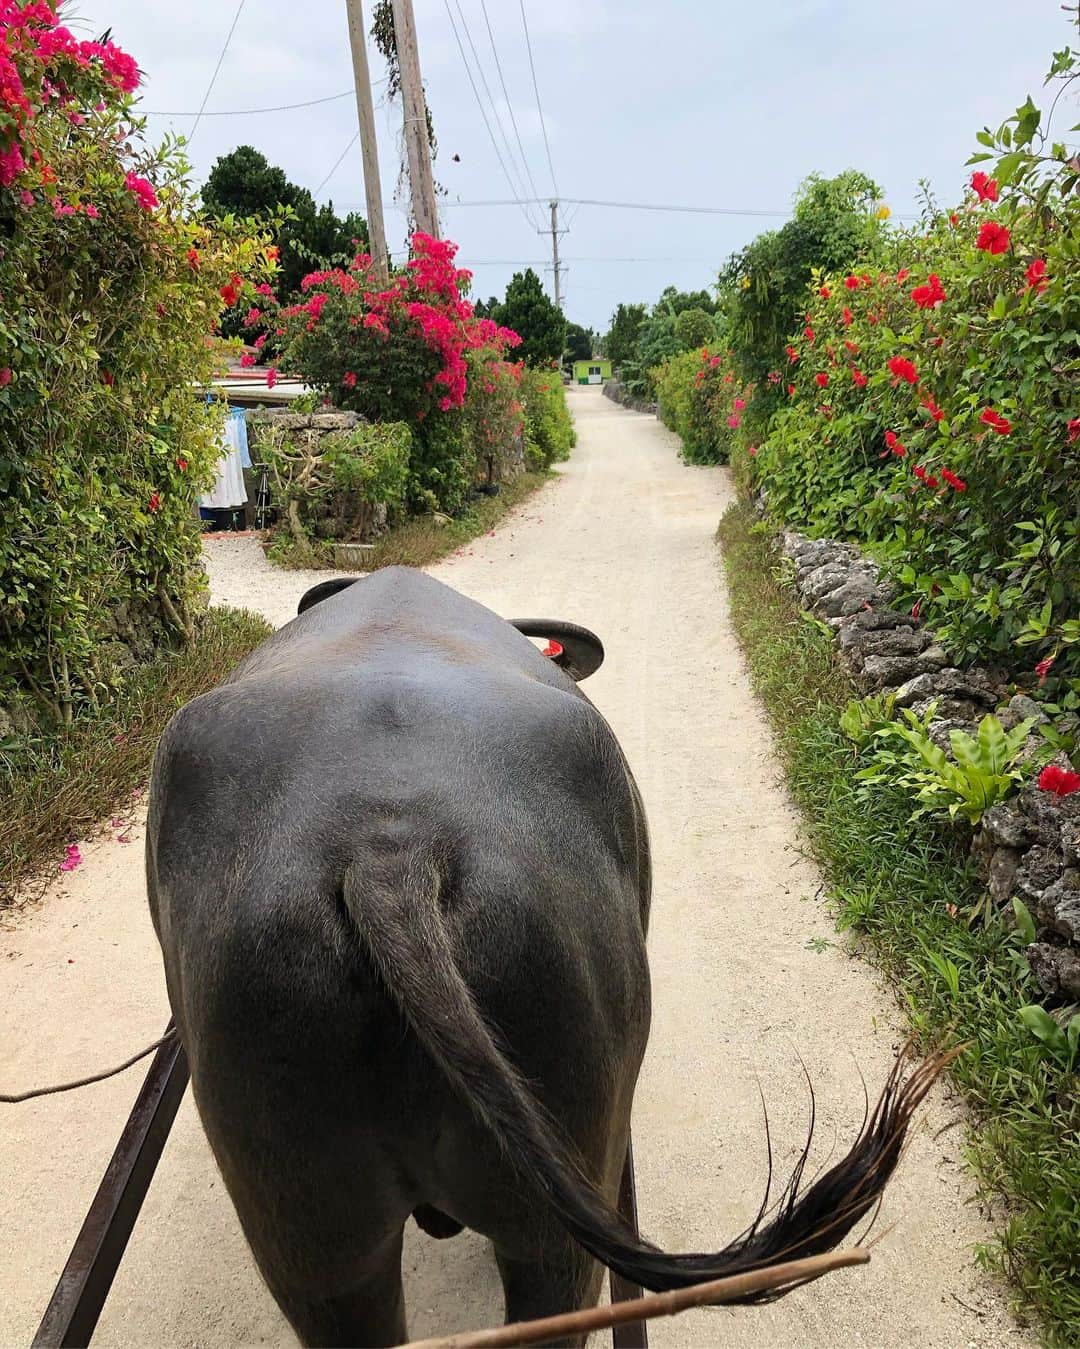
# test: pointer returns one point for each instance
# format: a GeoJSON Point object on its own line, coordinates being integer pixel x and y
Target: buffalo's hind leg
{"type": "Point", "coordinates": [561, 1277]}
{"type": "Point", "coordinates": [369, 1312]}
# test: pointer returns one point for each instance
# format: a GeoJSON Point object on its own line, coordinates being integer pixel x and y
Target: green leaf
{"type": "Point", "coordinates": [1025, 924]}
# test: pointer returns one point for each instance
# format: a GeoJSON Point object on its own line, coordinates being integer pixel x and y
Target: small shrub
{"type": "Point", "coordinates": [549, 428]}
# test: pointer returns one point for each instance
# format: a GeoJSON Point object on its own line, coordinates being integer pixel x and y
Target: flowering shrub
{"type": "Point", "coordinates": [410, 351]}
{"type": "Point", "coordinates": [944, 438]}
{"type": "Point", "coordinates": [702, 399]}
{"type": "Point", "coordinates": [928, 408]}
{"type": "Point", "coordinates": [549, 429]}
{"type": "Point", "coordinates": [110, 293]}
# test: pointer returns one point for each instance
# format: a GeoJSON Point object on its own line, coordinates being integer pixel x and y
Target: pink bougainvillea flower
{"type": "Point", "coordinates": [1073, 429]}
{"type": "Point", "coordinates": [1060, 781]}
{"type": "Point", "coordinates": [985, 188]}
{"type": "Point", "coordinates": [995, 421]}
{"type": "Point", "coordinates": [930, 295]}
{"type": "Point", "coordinates": [903, 369]}
{"type": "Point", "coordinates": [72, 857]}
{"type": "Point", "coordinates": [821, 379]}
{"type": "Point", "coordinates": [143, 189]}
{"type": "Point", "coordinates": [852, 282]}
{"type": "Point", "coordinates": [154, 504]}
{"type": "Point", "coordinates": [992, 237]}
{"type": "Point", "coordinates": [349, 379]}
{"type": "Point", "coordinates": [247, 360]}
{"type": "Point", "coordinates": [271, 377]}
{"type": "Point", "coordinates": [1044, 667]}
{"type": "Point", "coordinates": [1035, 276]}
{"type": "Point", "coordinates": [252, 317]}
{"type": "Point", "coordinates": [739, 404]}
{"type": "Point", "coordinates": [5, 376]}
{"type": "Point", "coordinates": [734, 421]}
{"type": "Point", "coordinates": [957, 484]}
{"type": "Point", "coordinates": [752, 451]}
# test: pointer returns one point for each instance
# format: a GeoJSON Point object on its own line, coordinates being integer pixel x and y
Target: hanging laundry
{"type": "Point", "coordinates": [229, 492]}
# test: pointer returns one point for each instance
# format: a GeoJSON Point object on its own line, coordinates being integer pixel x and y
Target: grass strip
{"type": "Point", "coordinates": [56, 788]}
{"type": "Point", "coordinates": [909, 891]}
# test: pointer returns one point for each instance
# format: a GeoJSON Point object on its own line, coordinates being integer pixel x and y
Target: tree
{"type": "Point", "coordinates": [529, 312]}
{"type": "Point", "coordinates": [578, 342]}
{"type": "Point", "coordinates": [620, 343]}
{"type": "Point", "coordinates": [694, 328]}
{"type": "Point", "coordinates": [311, 238]}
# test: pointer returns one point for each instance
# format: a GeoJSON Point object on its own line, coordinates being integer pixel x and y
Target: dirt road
{"type": "Point", "coordinates": [622, 542]}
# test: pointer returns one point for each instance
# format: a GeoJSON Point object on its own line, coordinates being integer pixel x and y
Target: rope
{"type": "Point", "coordinates": [8, 1099]}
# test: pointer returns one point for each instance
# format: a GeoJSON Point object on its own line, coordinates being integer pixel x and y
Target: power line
{"type": "Point", "coordinates": [506, 95]}
{"type": "Point", "coordinates": [536, 90]}
{"type": "Point", "coordinates": [517, 201]}
{"type": "Point", "coordinates": [494, 111]}
{"type": "Point", "coordinates": [252, 112]}
{"type": "Point", "coordinates": [217, 68]}
{"type": "Point", "coordinates": [337, 163]}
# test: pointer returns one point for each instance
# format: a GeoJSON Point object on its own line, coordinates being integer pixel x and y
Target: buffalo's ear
{"type": "Point", "coordinates": [323, 591]}
{"type": "Point", "coordinates": [582, 651]}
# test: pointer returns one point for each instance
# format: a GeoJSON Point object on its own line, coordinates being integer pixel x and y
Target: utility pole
{"type": "Point", "coordinates": [556, 265]}
{"type": "Point", "coordinates": [421, 183]}
{"type": "Point", "coordinates": [365, 113]}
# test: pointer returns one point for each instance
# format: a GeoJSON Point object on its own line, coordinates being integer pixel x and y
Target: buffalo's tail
{"type": "Point", "coordinates": [398, 915]}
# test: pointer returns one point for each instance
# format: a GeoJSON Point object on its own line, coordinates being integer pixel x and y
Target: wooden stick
{"type": "Point", "coordinates": [647, 1308]}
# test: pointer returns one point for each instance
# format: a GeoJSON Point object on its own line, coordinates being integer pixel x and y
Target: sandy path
{"type": "Point", "coordinates": [622, 542]}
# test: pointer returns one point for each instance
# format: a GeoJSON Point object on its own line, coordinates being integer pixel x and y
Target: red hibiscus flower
{"type": "Point", "coordinates": [229, 294]}
{"type": "Point", "coordinates": [821, 379]}
{"type": "Point", "coordinates": [1043, 668]}
{"type": "Point", "coordinates": [986, 189]}
{"type": "Point", "coordinates": [903, 369]}
{"type": "Point", "coordinates": [992, 237]}
{"type": "Point", "coordinates": [931, 294]}
{"type": "Point", "coordinates": [1060, 781]}
{"type": "Point", "coordinates": [996, 421]}
{"type": "Point", "coordinates": [1035, 276]}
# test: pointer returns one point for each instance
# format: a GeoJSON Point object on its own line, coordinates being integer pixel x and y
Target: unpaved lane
{"type": "Point", "coordinates": [623, 542]}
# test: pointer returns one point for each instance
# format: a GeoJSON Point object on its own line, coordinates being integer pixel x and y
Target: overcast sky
{"type": "Point", "coordinates": [686, 102]}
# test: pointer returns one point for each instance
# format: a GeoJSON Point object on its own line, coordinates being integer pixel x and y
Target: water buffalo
{"type": "Point", "coordinates": [399, 870]}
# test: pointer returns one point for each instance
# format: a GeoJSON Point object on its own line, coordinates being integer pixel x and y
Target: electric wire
{"type": "Point", "coordinates": [518, 178]}
{"type": "Point", "coordinates": [506, 96]}
{"type": "Point", "coordinates": [536, 90]}
{"type": "Point", "coordinates": [517, 200]}
{"type": "Point", "coordinates": [217, 68]}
